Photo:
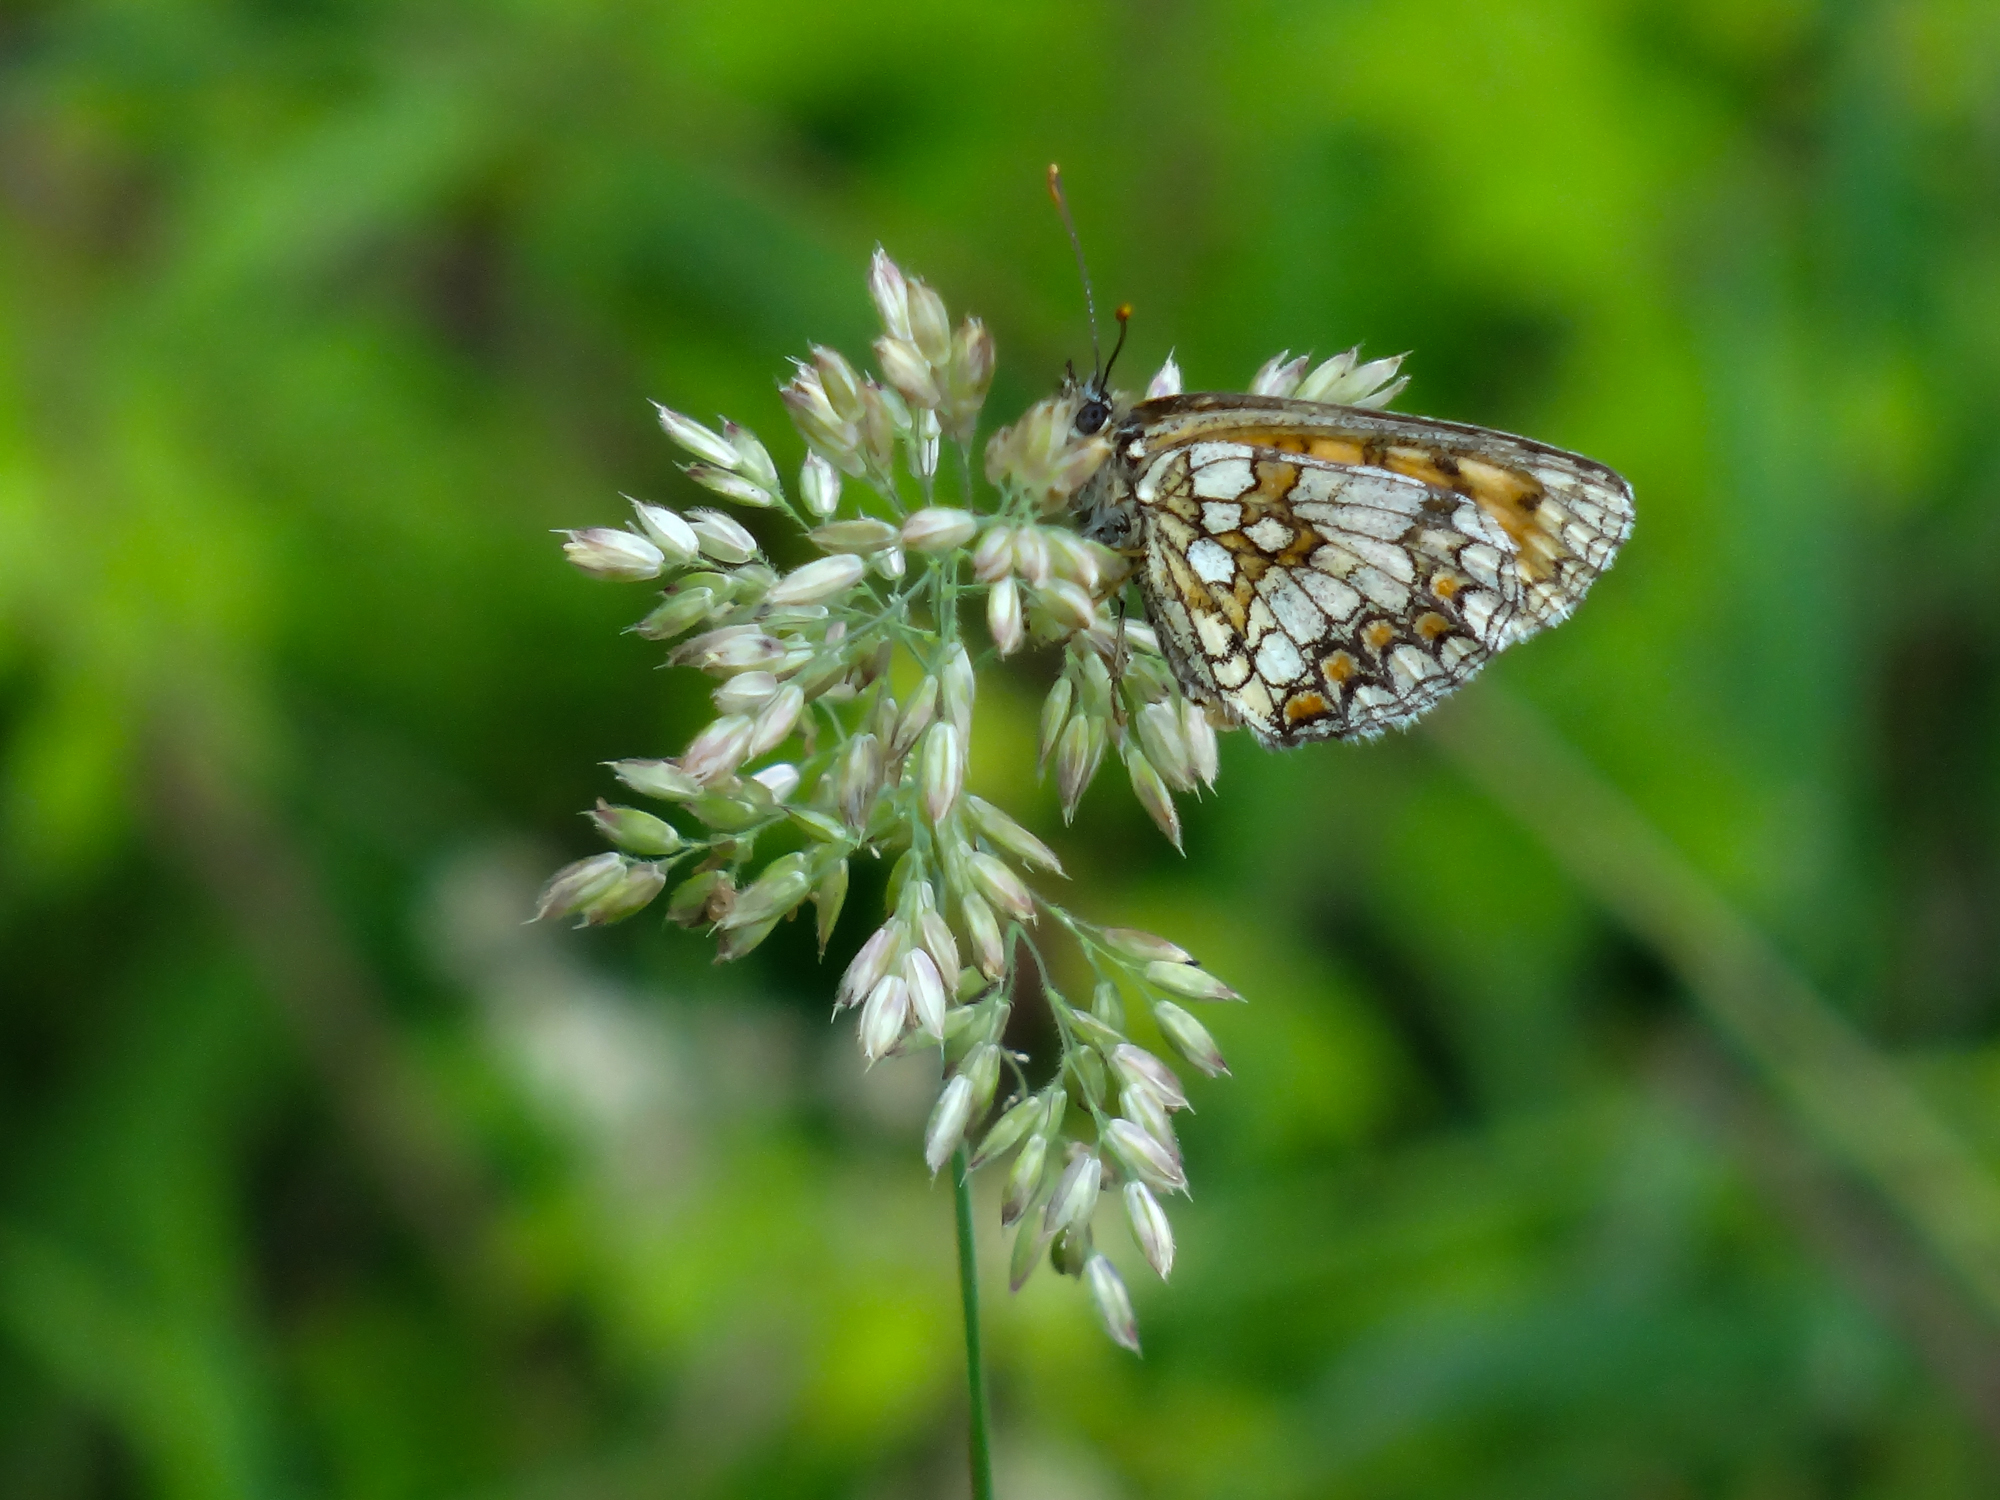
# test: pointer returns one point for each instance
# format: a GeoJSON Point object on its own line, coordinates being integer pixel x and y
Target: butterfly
{"type": "Point", "coordinates": [1318, 571]}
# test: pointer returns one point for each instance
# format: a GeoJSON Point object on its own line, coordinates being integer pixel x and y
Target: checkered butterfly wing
{"type": "Point", "coordinates": [1328, 572]}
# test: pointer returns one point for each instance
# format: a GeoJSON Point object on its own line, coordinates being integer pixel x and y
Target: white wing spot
{"type": "Point", "coordinates": [1220, 515]}
{"type": "Point", "coordinates": [1234, 672]}
{"type": "Point", "coordinates": [1395, 561]}
{"type": "Point", "coordinates": [1224, 479]}
{"type": "Point", "coordinates": [1211, 561]}
{"type": "Point", "coordinates": [1410, 666]}
{"type": "Point", "coordinates": [1479, 607]}
{"type": "Point", "coordinates": [1271, 534]}
{"type": "Point", "coordinates": [1216, 636]}
{"type": "Point", "coordinates": [1330, 594]}
{"type": "Point", "coordinates": [1297, 616]}
{"type": "Point", "coordinates": [1278, 660]}
{"type": "Point", "coordinates": [1381, 588]}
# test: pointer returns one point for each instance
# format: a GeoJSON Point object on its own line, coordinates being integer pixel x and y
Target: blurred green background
{"type": "Point", "coordinates": [322, 1176]}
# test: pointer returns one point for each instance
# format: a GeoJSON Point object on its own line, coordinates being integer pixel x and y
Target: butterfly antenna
{"type": "Point", "coordinates": [1124, 317]}
{"type": "Point", "coordinates": [1082, 270]}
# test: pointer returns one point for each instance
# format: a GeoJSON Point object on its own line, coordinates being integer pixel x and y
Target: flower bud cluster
{"type": "Point", "coordinates": [1042, 457]}
{"type": "Point", "coordinates": [1340, 381]}
{"type": "Point", "coordinates": [1128, 1095]}
{"type": "Point", "coordinates": [933, 386]}
{"type": "Point", "coordinates": [1166, 740]}
{"type": "Point", "coordinates": [932, 366]}
{"type": "Point", "coordinates": [843, 718]}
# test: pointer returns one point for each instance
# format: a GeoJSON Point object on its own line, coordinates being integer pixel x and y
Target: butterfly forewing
{"type": "Point", "coordinates": [1325, 571]}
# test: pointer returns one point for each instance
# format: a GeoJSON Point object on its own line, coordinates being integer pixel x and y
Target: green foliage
{"type": "Point", "coordinates": [323, 1176]}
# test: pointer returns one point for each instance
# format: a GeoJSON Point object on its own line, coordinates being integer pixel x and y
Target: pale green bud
{"type": "Point", "coordinates": [1055, 714]}
{"type": "Point", "coordinates": [877, 956]}
{"type": "Point", "coordinates": [818, 581]}
{"type": "Point", "coordinates": [936, 936]}
{"type": "Point", "coordinates": [635, 831]}
{"type": "Point", "coordinates": [575, 886]}
{"type": "Point", "coordinates": [718, 750]}
{"type": "Point", "coordinates": [1143, 947]}
{"type": "Point", "coordinates": [667, 531]}
{"type": "Point", "coordinates": [890, 292]}
{"type": "Point", "coordinates": [818, 825]}
{"type": "Point", "coordinates": [1024, 1181]}
{"type": "Point", "coordinates": [930, 329]}
{"type": "Point", "coordinates": [662, 779]}
{"type": "Point", "coordinates": [745, 693]}
{"type": "Point", "coordinates": [1159, 729]}
{"type": "Point", "coordinates": [1003, 616]}
{"type": "Point", "coordinates": [884, 1014]}
{"type": "Point", "coordinates": [858, 534]}
{"type": "Point", "coordinates": [956, 689]}
{"type": "Point", "coordinates": [776, 892]}
{"type": "Point", "coordinates": [949, 1118]}
{"type": "Point", "coordinates": [982, 1066]}
{"type": "Point", "coordinates": [905, 368]}
{"type": "Point", "coordinates": [939, 529]}
{"type": "Point", "coordinates": [1279, 375]}
{"type": "Point", "coordinates": [1031, 555]}
{"type": "Point", "coordinates": [1144, 1157]}
{"type": "Point", "coordinates": [1107, 1005]}
{"type": "Point", "coordinates": [753, 460]}
{"type": "Point", "coordinates": [1078, 753]}
{"type": "Point", "coordinates": [1199, 733]}
{"type": "Point", "coordinates": [619, 556]}
{"type": "Point", "coordinates": [730, 487]}
{"type": "Point", "coordinates": [1068, 605]}
{"type": "Point", "coordinates": [967, 379]}
{"type": "Point", "coordinates": [1151, 790]}
{"type": "Point", "coordinates": [1190, 980]}
{"type": "Point", "coordinates": [1011, 836]}
{"type": "Point", "coordinates": [682, 610]}
{"type": "Point", "coordinates": [722, 537]}
{"type": "Point", "coordinates": [1029, 1243]}
{"type": "Point", "coordinates": [629, 894]}
{"type": "Point", "coordinates": [1113, 1303]}
{"type": "Point", "coordinates": [993, 558]}
{"type": "Point", "coordinates": [1150, 1229]}
{"type": "Point", "coordinates": [926, 991]}
{"type": "Point", "coordinates": [1094, 688]}
{"type": "Point", "coordinates": [819, 484]}
{"type": "Point", "coordinates": [1135, 1066]}
{"type": "Point", "coordinates": [1189, 1037]}
{"type": "Point", "coordinates": [1000, 885]}
{"type": "Point", "coordinates": [989, 952]}
{"type": "Point", "coordinates": [774, 721]}
{"type": "Point", "coordinates": [828, 897]}
{"type": "Point", "coordinates": [916, 717]}
{"type": "Point", "coordinates": [1075, 1195]}
{"type": "Point", "coordinates": [858, 780]}
{"type": "Point", "coordinates": [943, 770]}
{"type": "Point", "coordinates": [696, 438]}
{"type": "Point", "coordinates": [1008, 1129]}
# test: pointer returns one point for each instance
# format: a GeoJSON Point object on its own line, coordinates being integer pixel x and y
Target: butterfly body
{"type": "Point", "coordinates": [1318, 571]}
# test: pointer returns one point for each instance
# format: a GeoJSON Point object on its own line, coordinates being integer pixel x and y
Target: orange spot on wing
{"type": "Point", "coordinates": [1304, 706]}
{"type": "Point", "coordinates": [1338, 668]}
{"type": "Point", "coordinates": [1432, 625]}
{"type": "Point", "coordinates": [1379, 634]}
{"type": "Point", "coordinates": [1445, 585]}
{"type": "Point", "coordinates": [1335, 450]}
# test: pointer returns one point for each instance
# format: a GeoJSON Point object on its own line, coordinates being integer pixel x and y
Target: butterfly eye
{"type": "Point", "coordinates": [1092, 417]}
